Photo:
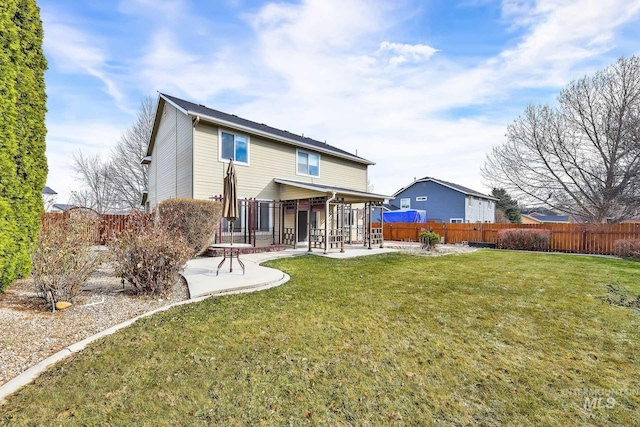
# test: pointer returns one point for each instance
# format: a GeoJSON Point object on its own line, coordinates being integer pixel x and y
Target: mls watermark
{"type": "Point", "coordinates": [599, 398]}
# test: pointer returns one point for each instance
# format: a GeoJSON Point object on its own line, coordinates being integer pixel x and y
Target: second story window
{"type": "Point", "coordinates": [308, 164]}
{"type": "Point", "coordinates": [233, 146]}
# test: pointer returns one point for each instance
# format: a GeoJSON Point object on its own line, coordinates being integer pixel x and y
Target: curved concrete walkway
{"type": "Point", "coordinates": [203, 283]}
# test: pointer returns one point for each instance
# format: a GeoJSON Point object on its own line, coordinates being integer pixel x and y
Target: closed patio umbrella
{"type": "Point", "coordinates": [230, 195]}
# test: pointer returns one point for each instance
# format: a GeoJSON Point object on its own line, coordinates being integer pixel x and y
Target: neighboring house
{"type": "Point", "coordinates": [289, 183]}
{"type": "Point", "coordinates": [445, 201]}
{"type": "Point", "coordinates": [61, 207]}
{"type": "Point", "coordinates": [48, 198]}
{"type": "Point", "coordinates": [541, 218]}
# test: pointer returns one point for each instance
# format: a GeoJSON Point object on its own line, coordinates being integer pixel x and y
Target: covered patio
{"type": "Point", "coordinates": [325, 217]}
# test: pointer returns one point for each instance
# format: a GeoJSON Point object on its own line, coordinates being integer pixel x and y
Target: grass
{"type": "Point", "coordinates": [489, 338]}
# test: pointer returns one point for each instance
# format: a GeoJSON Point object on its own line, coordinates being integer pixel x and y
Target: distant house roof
{"type": "Point", "coordinates": [63, 207]}
{"type": "Point", "coordinates": [547, 218]}
{"type": "Point", "coordinates": [48, 190]}
{"type": "Point", "coordinates": [235, 122]}
{"type": "Point", "coordinates": [456, 187]}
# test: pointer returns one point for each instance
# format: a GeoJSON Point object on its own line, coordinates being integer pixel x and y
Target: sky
{"type": "Point", "coordinates": [421, 88]}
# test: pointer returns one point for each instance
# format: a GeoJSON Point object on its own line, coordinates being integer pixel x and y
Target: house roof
{"type": "Point", "coordinates": [235, 122]}
{"type": "Point", "coordinates": [456, 187]}
{"type": "Point", "coordinates": [63, 206]}
{"type": "Point", "coordinates": [548, 218]}
{"type": "Point", "coordinates": [48, 190]}
{"type": "Point", "coordinates": [330, 189]}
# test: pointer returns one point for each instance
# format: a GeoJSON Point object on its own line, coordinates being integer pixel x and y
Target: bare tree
{"type": "Point", "coordinates": [582, 157]}
{"type": "Point", "coordinates": [117, 183]}
{"type": "Point", "coordinates": [128, 175]}
{"type": "Point", "coordinates": [97, 192]}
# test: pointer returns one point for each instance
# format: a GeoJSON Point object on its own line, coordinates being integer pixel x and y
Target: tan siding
{"type": "Point", "coordinates": [289, 220]}
{"type": "Point", "coordinates": [151, 198]}
{"type": "Point", "coordinates": [268, 159]}
{"type": "Point", "coordinates": [170, 172]}
{"type": "Point", "coordinates": [165, 154]}
{"type": "Point", "coordinates": [184, 159]}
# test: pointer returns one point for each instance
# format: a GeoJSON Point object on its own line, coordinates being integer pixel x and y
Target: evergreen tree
{"type": "Point", "coordinates": [23, 165]}
{"type": "Point", "coordinates": [507, 205]}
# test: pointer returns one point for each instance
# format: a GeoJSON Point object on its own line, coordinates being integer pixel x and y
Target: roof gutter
{"type": "Point", "coordinates": [281, 139]}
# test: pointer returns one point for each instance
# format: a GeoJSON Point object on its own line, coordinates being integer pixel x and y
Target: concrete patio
{"type": "Point", "coordinates": [202, 280]}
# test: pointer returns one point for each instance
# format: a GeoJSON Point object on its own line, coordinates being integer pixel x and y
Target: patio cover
{"type": "Point", "coordinates": [292, 191]}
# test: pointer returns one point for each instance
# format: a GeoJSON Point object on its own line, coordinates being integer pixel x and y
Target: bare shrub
{"type": "Point", "coordinates": [148, 255]}
{"type": "Point", "coordinates": [526, 239]}
{"type": "Point", "coordinates": [627, 248]}
{"type": "Point", "coordinates": [195, 220]}
{"type": "Point", "coordinates": [64, 256]}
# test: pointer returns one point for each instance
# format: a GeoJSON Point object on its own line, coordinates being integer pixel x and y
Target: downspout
{"type": "Point", "coordinates": [326, 221]}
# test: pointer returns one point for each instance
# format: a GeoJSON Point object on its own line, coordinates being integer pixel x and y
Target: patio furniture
{"type": "Point", "coordinates": [231, 249]}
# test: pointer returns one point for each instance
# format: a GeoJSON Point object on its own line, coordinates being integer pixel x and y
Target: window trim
{"type": "Point", "coordinates": [408, 200]}
{"type": "Point", "coordinates": [298, 151]}
{"type": "Point", "coordinates": [456, 220]}
{"type": "Point", "coordinates": [421, 198]}
{"type": "Point", "coordinates": [235, 162]}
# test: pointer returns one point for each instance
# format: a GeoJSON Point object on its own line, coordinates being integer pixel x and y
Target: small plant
{"type": "Point", "coordinates": [526, 239]}
{"type": "Point", "coordinates": [148, 255]}
{"type": "Point", "coordinates": [429, 239]}
{"type": "Point", "coordinates": [627, 248]}
{"type": "Point", "coordinates": [64, 256]}
{"type": "Point", "coordinates": [195, 220]}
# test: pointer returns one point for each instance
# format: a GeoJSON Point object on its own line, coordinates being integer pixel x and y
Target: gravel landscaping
{"type": "Point", "coordinates": [31, 332]}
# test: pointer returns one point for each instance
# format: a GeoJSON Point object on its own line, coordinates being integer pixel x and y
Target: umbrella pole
{"type": "Point", "coordinates": [231, 233]}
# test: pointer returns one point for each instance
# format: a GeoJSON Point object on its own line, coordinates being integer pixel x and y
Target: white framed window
{"type": "Point", "coordinates": [421, 199]}
{"type": "Point", "coordinates": [405, 203]}
{"type": "Point", "coordinates": [455, 220]}
{"type": "Point", "coordinates": [307, 164]}
{"type": "Point", "coordinates": [233, 146]}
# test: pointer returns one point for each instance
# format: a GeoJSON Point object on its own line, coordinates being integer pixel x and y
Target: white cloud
{"type": "Point", "coordinates": [401, 53]}
{"type": "Point", "coordinates": [339, 70]}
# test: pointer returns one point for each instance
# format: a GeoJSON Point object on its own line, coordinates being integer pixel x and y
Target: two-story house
{"type": "Point", "coordinates": [445, 201]}
{"type": "Point", "coordinates": [293, 188]}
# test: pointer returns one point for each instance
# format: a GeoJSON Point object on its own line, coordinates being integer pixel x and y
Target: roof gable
{"type": "Point", "coordinates": [451, 185]}
{"type": "Point", "coordinates": [233, 121]}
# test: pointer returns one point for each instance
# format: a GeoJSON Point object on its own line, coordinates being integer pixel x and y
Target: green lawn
{"type": "Point", "coordinates": [489, 338]}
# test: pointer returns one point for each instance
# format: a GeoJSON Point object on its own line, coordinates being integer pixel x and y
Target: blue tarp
{"type": "Point", "coordinates": [402, 215]}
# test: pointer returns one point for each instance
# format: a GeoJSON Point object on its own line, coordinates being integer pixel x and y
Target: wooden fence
{"type": "Point", "coordinates": [108, 227]}
{"type": "Point", "coordinates": [577, 238]}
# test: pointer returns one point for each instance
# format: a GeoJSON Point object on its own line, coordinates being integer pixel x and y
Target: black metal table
{"type": "Point", "coordinates": [230, 249]}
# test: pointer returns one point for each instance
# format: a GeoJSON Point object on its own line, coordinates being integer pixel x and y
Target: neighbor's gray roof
{"type": "Point", "coordinates": [233, 120]}
{"type": "Point", "coordinates": [460, 188]}
{"type": "Point", "coordinates": [48, 190]}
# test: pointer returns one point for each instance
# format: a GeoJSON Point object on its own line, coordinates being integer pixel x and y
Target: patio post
{"type": "Point", "coordinates": [342, 227]}
{"type": "Point", "coordinates": [382, 226]}
{"type": "Point", "coordinates": [295, 225]}
{"type": "Point", "coordinates": [370, 225]}
{"type": "Point", "coordinates": [326, 226]}
{"type": "Point", "coordinates": [309, 230]}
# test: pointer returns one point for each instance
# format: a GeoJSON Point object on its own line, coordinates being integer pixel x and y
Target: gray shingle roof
{"type": "Point", "coordinates": [48, 190]}
{"type": "Point", "coordinates": [201, 110]}
{"type": "Point", "coordinates": [460, 188]}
